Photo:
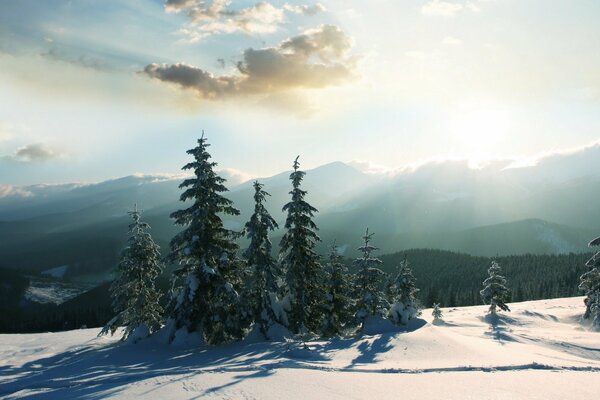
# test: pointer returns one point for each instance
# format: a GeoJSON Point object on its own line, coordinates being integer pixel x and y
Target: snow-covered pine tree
{"type": "Point", "coordinates": [590, 286]}
{"type": "Point", "coordinates": [404, 301]}
{"type": "Point", "coordinates": [494, 292]}
{"type": "Point", "coordinates": [370, 298]}
{"type": "Point", "coordinates": [304, 273]}
{"type": "Point", "coordinates": [206, 300]}
{"type": "Point", "coordinates": [437, 312]}
{"type": "Point", "coordinates": [264, 270]}
{"type": "Point", "coordinates": [135, 298]}
{"type": "Point", "coordinates": [338, 307]}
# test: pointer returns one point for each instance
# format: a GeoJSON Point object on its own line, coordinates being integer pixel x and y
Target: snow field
{"type": "Point", "coordinates": [539, 350]}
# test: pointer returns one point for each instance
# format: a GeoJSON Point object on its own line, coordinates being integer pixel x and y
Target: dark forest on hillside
{"type": "Point", "coordinates": [452, 279]}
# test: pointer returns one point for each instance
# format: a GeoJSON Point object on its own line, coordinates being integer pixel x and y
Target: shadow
{"type": "Point", "coordinates": [499, 327]}
{"type": "Point", "coordinates": [441, 322]}
{"type": "Point", "coordinates": [94, 372]}
{"type": "Point", "coordinates": [547, 317]}
{"type": "Point", "coordinates": [370, 349]}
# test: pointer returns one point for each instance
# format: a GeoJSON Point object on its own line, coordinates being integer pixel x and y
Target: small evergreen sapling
{"type": "Point", "coordinates": [368, 281]}
{"type": "Point", "coordinates": [338, 307]}
{"type": "Point", "coordinates": [404, 301]}
{"type": "Point", "coordinates": [304, 273]}
{"type": "Point", "coordinates": [495, 292]}
{"type": "Point", "coordinates": [264, 270]}
{"type": "Point", "coordinates": [135, 298]}
{"type": "Point", "coordinates": [437, 312]}
{"type": "Point", "coordinates": [590, 286]}
{"type": "Point", "coordinates": [206, 300]}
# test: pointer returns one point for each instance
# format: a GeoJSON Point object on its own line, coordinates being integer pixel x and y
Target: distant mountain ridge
{"type": "Point", "coordinates": [547, 208]}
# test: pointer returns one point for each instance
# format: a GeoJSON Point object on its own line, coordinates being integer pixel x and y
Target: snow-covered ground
{"type": "Point", "coordinates": [54, 291]}
{"type": "Point", "coordinates": [540, 350]}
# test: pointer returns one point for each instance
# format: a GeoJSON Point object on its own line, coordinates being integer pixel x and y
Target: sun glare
{"type": "Point", "coordinates": [479, 130]}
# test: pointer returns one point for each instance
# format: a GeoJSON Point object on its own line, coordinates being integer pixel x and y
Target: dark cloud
{"type": "Point", "coordinates": [315, 59]}
{"type": "Point", "coordinates": [37, 152]}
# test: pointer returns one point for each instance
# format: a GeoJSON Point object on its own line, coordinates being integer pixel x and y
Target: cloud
{"type": "Point", "coordinates": [84, 61]}
{"type": "Point", "coordinates": [208, 18]}
{"type": "Point", "coordinates": [450, 8]}
{"type": "Point", "coordinates": [234, 176]}
{"type": "Point", "coordinates": [368, 167]}
{"type": "Point", "coordinates": [316, 58]}
{"type": "Point", "coordinates": [36, 153]}
{"type": "Point", "coordinates": [13, 191]}
{"type": "Point", "coordinates": [306, 10]}
{"type": "Point", "coordinates": [217, 17]}
{"type": "Point", "coordinates": [441, 8]}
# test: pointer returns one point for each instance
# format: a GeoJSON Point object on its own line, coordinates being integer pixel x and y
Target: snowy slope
{"type": "Point", "coordinates": [540, 350]}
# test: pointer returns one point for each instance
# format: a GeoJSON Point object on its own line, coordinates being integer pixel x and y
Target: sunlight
{"type": "Point", "coordinates": [480, 129]}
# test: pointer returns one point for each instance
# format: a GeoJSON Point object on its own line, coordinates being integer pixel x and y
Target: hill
{"type": "Point", "coordinates": [487, 211]}
{"type": "Point", "coordinates": [540, 350]}
{"type": "Point", "coordinates": [449, 278]}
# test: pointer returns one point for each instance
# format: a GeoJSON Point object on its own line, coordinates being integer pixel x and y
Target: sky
{"type": "Point", "coordinates": [97, 90]}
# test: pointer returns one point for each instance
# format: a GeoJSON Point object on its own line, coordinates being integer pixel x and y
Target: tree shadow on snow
{"type": "Point", "coordinates": [372, 347]}
{"type": "Point", "coordinates": [97, 372]}
{"type": "Point", "coordinates": [499, 327]}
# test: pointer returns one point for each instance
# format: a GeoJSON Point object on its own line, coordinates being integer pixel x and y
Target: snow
{"type": "Point", "coordinates": [540, 350]}
{"type": "Point", "coordinates": [554, 239]}
{"type": "Point", "coordinates": [51, 291]}
{"type": "Point", "coordinates": [56, 272]}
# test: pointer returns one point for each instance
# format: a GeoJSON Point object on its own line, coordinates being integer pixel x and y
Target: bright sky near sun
{"type": "Point", "coordinates": [96, 90]}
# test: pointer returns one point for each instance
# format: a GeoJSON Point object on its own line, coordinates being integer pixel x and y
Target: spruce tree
{"type": "Point", "coordinates": [369, 295]}
{"type": "Point", "coordinates": [304, 274]}
{"type": "Point", "coordinates": [338, 303]}
{"type": "Point", "coordinates": [494, 292]}
{"type": "Point", "coordinates": [206, 300]}
{"type": "Point", "coordinates": [135, 299]}
{"type": "Point", "coordinates": [437, 312]}
{"type": "Point", "coordinates": [404, 290]}
{"type": "Point", "coordinates": [590, 286]}
{"type": "Point", "coordinates": [264, 270]}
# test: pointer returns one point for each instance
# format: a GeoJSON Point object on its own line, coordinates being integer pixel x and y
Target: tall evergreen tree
{"type": "Point", "coordinates": [338, 307]}
{"type": "Point", "coordinates": [265, 272]}
{"type": "Point", "coordinates": [135, 298]}
{"type": "Point", "coordinates": [206, 300]}
{"type": "Point", "coordinates": [304, 273]}
{"type": "Point", "coordinates": [404, 295]}
{"type": "Point", "coordinates": [590, 286]}
{"type": "Point", "coordinates": [369, 294]}
{"type": "Point", "coordinates": [494, 292]}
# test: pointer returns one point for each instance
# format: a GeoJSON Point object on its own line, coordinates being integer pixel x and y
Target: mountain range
{"type": "Point", "coordinates": [548, 207]}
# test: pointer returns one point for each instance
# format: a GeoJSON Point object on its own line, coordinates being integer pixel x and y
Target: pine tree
{"type": "Point", "coordinates": [206, 300]}
{"type": "Point", "coordinates": [304, 273]}
{"type": "Point", "coordinates": [404, 301]}
{"type": "Point", "coordinates": [135, 299]}
{"type": "Point", "coordinates": [370, 297]}
{"type": "Point", "coordinates": [590, 286]}
{"type": "Point", "coordinates": [494, 292]}
{"type": "Point", "coordinates": [338, 303]}
{"type": "Point", "coordinates": [265, 272]}
{"type": "Point", "coordinates": [437, 312]}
